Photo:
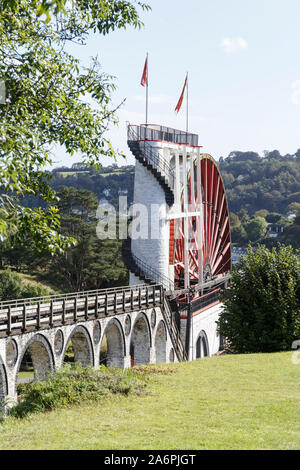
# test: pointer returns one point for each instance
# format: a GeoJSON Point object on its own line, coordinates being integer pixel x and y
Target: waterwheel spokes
{"type": "Point", "coordinates": [215, 229]}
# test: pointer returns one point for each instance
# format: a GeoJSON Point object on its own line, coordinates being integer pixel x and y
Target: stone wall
{"type": "Point", "coordinates": [203, 322]}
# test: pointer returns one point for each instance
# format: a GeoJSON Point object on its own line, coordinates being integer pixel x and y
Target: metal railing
{"type": "Point", "coordinates": [205, 300]}
{"type": "Point", "coordinates": [153, 157]}
{"type": "Point", "coordinates": [217, 282]}
{"type": "Point", "coordinates": [173, 330]}
{"type": "Point", "coordinates": [166, 134]}
{"type": "Point", "coordinates": [153, 274]}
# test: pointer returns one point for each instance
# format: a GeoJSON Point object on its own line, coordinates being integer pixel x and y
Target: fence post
{"type": "Point", "coordinates": [115, 302]}
{"type": "Point", "coordinates": [96, 306]}
{"type": "Point", "coordinates": [86, 307]}
{"type": "Point", "coordinates": [9, 320]}
{"type": "Point", "coordinates": [38, 317]}
{"type": "Point", "coordinates": [63, 319]}
{"type": "Point", "coordinates": [24, 318]}
{"type": "Point", "coordinates": [124, 300]}
{"type": "Point", "coordinates": [51, 314]}
{"type": "Point", "coordinates": [154, 299]}
{"type": "Point", "coordinates": [106, 305]}
{"type": "Point", "coordinates": [75, 309]}
{"type": "Point", "coordinates": [131, 299]}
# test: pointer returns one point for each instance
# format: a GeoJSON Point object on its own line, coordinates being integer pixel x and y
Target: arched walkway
{"type": "Point", "coordinates": [115, 344]}
{"type": "Point", "coordinates": [202, 349]}
{"type": "Point", "coordinates": [141, 341]}
{"type": "Point", "coordinates": [82, 346]}
{"type": "Point", "coordinates": [41, 356]}
{"type": "Point", "coordinates": [160, 343]}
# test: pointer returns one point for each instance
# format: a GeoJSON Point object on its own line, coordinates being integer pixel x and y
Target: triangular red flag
{"type": "Point", "coordinates": [178, 106]}
{"type": "Point", "coordinates": [144, 76]}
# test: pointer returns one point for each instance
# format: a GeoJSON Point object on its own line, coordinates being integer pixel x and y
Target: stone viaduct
{"type": "Point", "coordinates": [136, 321]}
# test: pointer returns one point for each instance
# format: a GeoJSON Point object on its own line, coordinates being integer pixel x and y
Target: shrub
{"type": "Point", "coordinates": [12, 286]}
{"type": "Point", "coordinates": [73, 384]}
{"type": "Point", "coordinates": [262, 307]}
{"type": "Point", "coordinates": [34, 290]}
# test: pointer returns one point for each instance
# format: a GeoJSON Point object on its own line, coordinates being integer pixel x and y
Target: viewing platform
{"type": "Point", "coordinates": [157, 133]}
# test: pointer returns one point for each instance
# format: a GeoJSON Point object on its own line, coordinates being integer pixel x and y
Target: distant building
{"type": "Point", "coordinates": [79, 166]}
{"type": "Point", "coordinates": [290, 216]}
{"type": "Point", "coordinates": [274, 230]}
{"type": "Point", "coordinates": [237, 253]}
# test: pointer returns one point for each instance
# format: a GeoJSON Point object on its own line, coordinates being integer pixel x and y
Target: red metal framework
{"type": "Point", "coordinates": [213, 221]}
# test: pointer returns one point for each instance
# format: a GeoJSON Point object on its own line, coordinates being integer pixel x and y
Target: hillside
{"type": "Point", "coordinates": [227, 402]}
{"type": "Point", "coordinates": [253, 183]}
{"type": "Point", "coordinates": [267, 187]}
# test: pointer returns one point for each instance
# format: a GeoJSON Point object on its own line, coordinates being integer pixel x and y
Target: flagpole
{"type": "Point", "coordinates": [187, 102]}
{"type": "Point", "coordinates": [147, 92]}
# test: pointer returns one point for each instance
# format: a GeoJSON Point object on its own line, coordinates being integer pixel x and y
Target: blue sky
{"type": "Point", "coordinates": [243, 59]}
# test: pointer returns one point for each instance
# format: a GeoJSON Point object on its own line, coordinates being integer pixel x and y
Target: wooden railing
{"type": "Point", "coordinates": [20, 316]}
{"type": "Point", "coordinates": [24, 315]}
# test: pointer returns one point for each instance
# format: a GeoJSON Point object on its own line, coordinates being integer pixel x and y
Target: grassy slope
{"type": "Point", "coordinates": [37, 279]}
{"type": "Point", "coordinates": [227, 402]}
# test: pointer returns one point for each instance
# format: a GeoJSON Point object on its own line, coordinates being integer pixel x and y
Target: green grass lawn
{"type": "Point", "coordinates": [226, 402]}
{"type": "Point", "coordinates": [24, 374]}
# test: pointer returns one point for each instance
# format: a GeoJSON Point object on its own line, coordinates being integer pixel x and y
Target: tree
{"type": "Point", "coordinates": [234, 220]}
{"type": "Point", "coordinates": [256, 228]}
{"type": "Point", "coordinates": [239, 235]}
{"type": "Point", "coordinates": [262, 306]}
{"type": "Point", "coordinates": [273, 217]}
{"type": "Point", "coordinates": [46, 91]}
{"type": "Point", "coordinates": [92, 263]}
{"type": "Point", "coordinates": [262, 213]}
{"type": "Point", "coordinates": [275, 154]}
{"type": "Point", "coordinates": [292, 232]}
{"type": "Point", "coordinates": [243, 216]}
{"type": "Point", "coordinates": [293, 208]}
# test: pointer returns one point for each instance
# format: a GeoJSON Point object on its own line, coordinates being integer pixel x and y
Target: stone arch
{"type": "Point", "coordinates": [82, 346]}
{"type": "Point", "coordinates": [161, 343]}
{"type": "Point", "coordinates": [202, 348]}
{"type": "Point", "coordinates": [3, 381]}
{"type": "Point", "coordinates": [41, 356]}
{"type": "Point", "coordinates": [141, 340]}
{"type": "Point", "coordinates": [115, 341]}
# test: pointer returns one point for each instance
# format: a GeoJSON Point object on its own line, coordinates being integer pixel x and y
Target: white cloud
{"type": "Point", "coordinates": [231, 45]}
{"type": "Point", "coordinates": [296, 92]}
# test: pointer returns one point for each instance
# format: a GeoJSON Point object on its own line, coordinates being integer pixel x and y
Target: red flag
{"type": "Point", "coordinates": [178, 106]}
{"type": "Point", "coordinates": [144, 76]}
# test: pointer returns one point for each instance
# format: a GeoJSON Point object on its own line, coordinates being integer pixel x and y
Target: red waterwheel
{"type": "Point", "coordinates": [207, 197]}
